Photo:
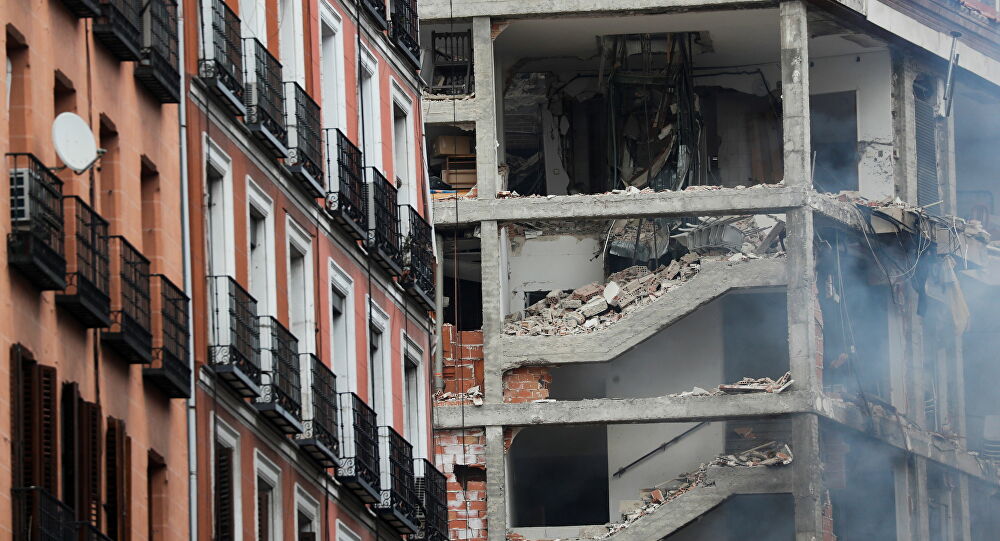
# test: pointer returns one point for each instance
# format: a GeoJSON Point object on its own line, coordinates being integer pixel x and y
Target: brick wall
{"type": "Point", "coordinates": [462, 353]}
{"type": "Point", "coordinates": [526, 384]}
{"type": "Point", "coordinates": [466, 483]}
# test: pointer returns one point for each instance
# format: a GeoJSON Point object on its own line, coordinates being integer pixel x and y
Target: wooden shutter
{"type": "Point", "coordinates": [224, 523]}
{"type": "Point", "coordinates": [116, 487]}
{"type": "Point", "coordinates": [89, 464]}
{"type": "Point", "coordinates": [47, 423]}
{"type": "Point", "coordinates": [927, 163]}
{"type": "Point", "coordinates": [33, 415]}
{"type": "Point", "coordinates": [70, 405]}
{"type": "Point", "coordinates": [263, 511]}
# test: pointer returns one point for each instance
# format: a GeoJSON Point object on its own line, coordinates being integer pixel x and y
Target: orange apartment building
{"type": "Point", "coordinates": [220, 330]}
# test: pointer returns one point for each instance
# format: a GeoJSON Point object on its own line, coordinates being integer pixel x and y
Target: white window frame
{"type": "Point", "coordinates": [260, 202]}
{"type": "Point", "coordinates": [345, 533]}
{"type": "Point", "coordinates": [342, 282]}
{"type": "Point", "coordinates": [307, 505]}
{"type": "Point", "coordinates": [264, 467]}
{"type": "Point", "coordinates": [248, 30]}
{"type": "Point", "coordinates": [219, 160]}
{"type": "Point", "coordinates": [414, 354]}
{"type": "Point", "coordinates": [379, 318]}
{"type": "Point", "coordinates": [331, 21]}
{"type": "Point", "coordinates": [370, 64]}
{"type": "Point", "coordinates": [227, 436]}
{"type": "Point", "coordinates": [409, 193]}
{"type": "Point", "coordinates": [294, 68]}
{"type": "Point", "coordinates": [300, 240]}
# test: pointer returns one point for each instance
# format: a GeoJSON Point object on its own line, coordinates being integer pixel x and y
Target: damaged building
{"type": "Point", "coordinates": [716, 270]}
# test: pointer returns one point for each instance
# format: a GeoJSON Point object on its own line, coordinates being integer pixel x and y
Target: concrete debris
{"type": "Point", "coordinates": [769, 454]}
{"type": "Point", "coordinates": [632, 190]}
{"type": "Point", "coordinates": [473, 395]}
{"type": "Point", "coordinates": [743, 386]}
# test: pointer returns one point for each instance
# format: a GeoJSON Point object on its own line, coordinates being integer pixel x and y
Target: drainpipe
{"type": "Point", "coordinates": [439, 314]}
{"type": "Point", "coordinates": [188, 289]}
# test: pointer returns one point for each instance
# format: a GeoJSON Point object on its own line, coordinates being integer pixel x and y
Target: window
{"type": "Point", "coordinates": [300, 297]}
{"type": "Point", "coordinates": [331, 70]}
{"type": "Point", "coordinates": [260, 233]}
{"type": "Point", "coordinates": [156, 496]}
{"type": "Point", "coordinates": [149, 182]}
{"type": "Point", "coordinates": [110, 188]}
{"type": "Point", "coordinates": [379, 375]}
{"type": "Point", "coordinates": [306, 516]}
{"type": "Point", "coordinates": [221, 222]}
{"type": "Point", "coordinates": [834, 128]}
{"type": "Point", "coordinates": [16, 96]}
{"type": "Point", "coordinates": [253, 20]}
{"type": "Point", "coordinates": [268, 506]}
{"type": "Point", "coordinates": [369, 109]}
{"type": "Point", "coordinates": [344, 533]}
{"type": "Point", "coordinates": [402, 151]}
{"type": "Point", "coordinates": [291, 41]}
{"type": "Point", "coordinates": [34, 415]}
{"type": "Point", "coordinates": [342, 346]}
{"type": "Point", "coordinates": [81, 433]}
{"type": "Point", "coordinates": [225, 485]}
{"type": "Point", "coordinates": [412, 405]}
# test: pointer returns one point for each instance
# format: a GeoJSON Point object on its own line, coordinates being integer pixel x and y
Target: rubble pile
{"type": "Point", "coordinates": [743, 386]}
{"type": "Point", "coordinates": [772, 453]}
{"type": "Point", "coordinates": [632, 190]}
{"type": "Point", "coordinates": [473, 395]}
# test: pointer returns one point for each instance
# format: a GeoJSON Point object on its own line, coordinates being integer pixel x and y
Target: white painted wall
{"type": "Point", "coordinates": [551, 262]}
{"type": "Point", "coordinates": [870, 76]}
{"type": "Point", "coordinates": [687, 354]}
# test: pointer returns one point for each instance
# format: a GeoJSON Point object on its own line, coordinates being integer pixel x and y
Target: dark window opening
{"type": "Point", "coordinates": [224, 495]}
{"type": "Point", "coordinates": [833, 122]}
{"type": "Point", "coordinates": [156, 496]}
{"type": "Point", "coordinates": [151, 209]}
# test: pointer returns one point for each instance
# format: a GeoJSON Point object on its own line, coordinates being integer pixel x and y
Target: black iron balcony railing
{"type": "Point", "coordinates": [87, 283]}
{"type": "Point", "coordinates": [88, 532]}
{"type": "Point", "coordinates": [404, 29]}
{"type": "Point", "coordinates": [319, 435]}
{"type": "Point", "coordinates": [452, 59]}
{"type": "Point", "coordinates": [347, 201]}
{"type": "Point", "coordinates": [280, 397]}
{"type": "Point", "coordinates": [119, 28]}
{"type": "Point", "coordinates": [157, 67]}
{"type": "Point", "coordinates": [359, 461]}
{"type": "Point", "coordinates": [171, 370]}
{"type": "Point", "coordinates": [376, 8]}
{"type": "Point", "coordinates": [432, 495]}
{"type": "Point", "coordinates": [384, 243]}
{"type": "Point", "coordinates": [418, 271]}
{"type": "Point", "coordinates": [35, 241]}
{"type": "Point", "coordinates": [83, 9]}
{"type": "Point", "coordinates": [221, 64]}
{"type": "Point", "coordinates": [399, 498]}
{"type": "Point", "coordinates": [130, 333]}
{"type": "Point", "coordinates": [39, 516]}
{"type": "Point", "coordinates": [234, 350]}
{"type": "Point", "coordinates": [265, 97]}
{"type": "Point", "coordinates": [305, 142]}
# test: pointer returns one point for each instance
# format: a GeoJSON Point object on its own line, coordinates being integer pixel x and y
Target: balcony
{"type": "Point", "coordinates": [383, 233]}
{"type": "Point", "coordinates": [319, 429]}
{"type": "Point", "coordinates": [157, 67]}
{"type": "Point", "coordinates": [87, 287]}
{"type": "Point", "coordinates": [305, 143]}
{"type": "Point", "coordinates": [83, 9]}
{"type": "Point", "coordinates": [35, 242]}
{"type": "Point", "coordinates": [129, 333]}
{"type": "Point", "coordinates": [404, 29]}
{"type": "Point", "coordinates": [88, 532]}
{"type": "Point", "coordinates": [221, 65]}
{"type": "Point", "coordinates": [452, 59]}
{"type": "Point", "coordinates": [359, 463]}
{"type": "Point", "coordinates": [399, 498]}
{"type": "Point", "coordinates": [118, 28]}
{"type": "Point", "coordinates": [265, 98]}
{"type": "Point", "coordinates": [170, 370]}
{"type": "Point", "coordinates": [418, 260]}
{"type": "Point", "coordinates": [348, 200]}
{"type": "Point", "coordinates": [39, 516]}
{"type": "Point", "coordinates": [431, 494]}
{"type": "Point", "coordinates": [234, 351]}
{"type": "Point", "coordinates": [280, 397]}
{"type": "Point", "coordinates": [376, 9]}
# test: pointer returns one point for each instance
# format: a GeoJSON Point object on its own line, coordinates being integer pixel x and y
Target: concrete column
{"type": "Point", "coordinates": [919, 497]}
{"type": "Point", "coordinates": [807, 487]}
{"type": "Point", "coordinates": [485, 108]}
{"type": "Point", "coordinates": [795, 92]}
{"type": "Point", "coordinates": [496, 485]}
{"type": "Point", "coordinates": [492, 274]}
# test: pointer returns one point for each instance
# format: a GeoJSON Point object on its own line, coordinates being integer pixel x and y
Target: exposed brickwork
{"type": "Point", "coordinates": [465, 449]}
{"type": "Point", "coordinates": [463, 362]}
{"type": "Point", "coordinates": [828, 534]}
{"type": "Point", "coordinates": [526, 384]}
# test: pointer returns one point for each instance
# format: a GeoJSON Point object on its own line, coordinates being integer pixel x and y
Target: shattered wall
{"type": "Point", "coordinates": [463, 366]}
{"type": "Point", "coordinates": [461, 456]}
{"type": "Point", "coordinates": [549, 262]}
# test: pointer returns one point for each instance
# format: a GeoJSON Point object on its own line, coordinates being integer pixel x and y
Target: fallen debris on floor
{"type": "Point", "coordinates": [473, 395]}
{"type": "Point", "coordinates": [743, 386]}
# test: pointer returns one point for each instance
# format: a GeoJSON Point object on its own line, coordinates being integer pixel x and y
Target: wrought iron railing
{"type": "Point", "coordinates": [84, 9]}
{"type": "Point", "coordinates": [35, 243]}
{"type": "Point", "coordinates": [305, 142]}
{"type": "Point", "coordinates": [432, 495]}
{"type": "Point", "coordinates": [418, 273]}
{"type": "Point", "coordinates": [119, 28]}
{"type": "Point", "coordinates": [281, 394]}
{"type": "Point", "coordinates": [235, 337]}
{"type": "Point", "coordinates": [404, 28]}
{"type": "Point", "coordinates": [171, 369]}
{"type": "Point", "coordinates": [88, 532]}
{"type": "Point", "coordinates": [131, 329]}
{"type": "Point", "coordinates": [40, 516]}
{"type": "Point", "coordinates": [158, 58]}
{"type": "Point", "coordinates": [87, 283]}
{"type": "Point", "coordinates": [383, 233]}
{"type": "Point", "coordinates": [399, 498]}
{"type": "Point", "coordinates": [452, 59]}
{"type": "Point", "coordinates": [265, 97]}
{"type": "Point", "coordinates": [319, 429]}
{"type": "Point", "coordinates": [359, 464]}
{"type": "Point", "coordinates": [348, 199]}
{"type": "Point", "coordinates": [376, 8]}
{"type": "Point", "coordinates": [222, 62]}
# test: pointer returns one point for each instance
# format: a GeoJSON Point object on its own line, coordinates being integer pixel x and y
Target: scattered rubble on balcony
{"type": "Point", "coordinates": [473, 395]}
{"type": "Point", "coordinates": [743, 386]}
{"type": "Point", "coordinates": [769, 454]}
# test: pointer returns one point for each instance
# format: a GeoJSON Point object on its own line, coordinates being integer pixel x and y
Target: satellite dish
{"type": "Point", "coordinates": [74, 142]}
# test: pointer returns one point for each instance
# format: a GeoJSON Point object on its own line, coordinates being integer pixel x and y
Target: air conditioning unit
{"type": "Point", "coordinates": [21, 181]}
